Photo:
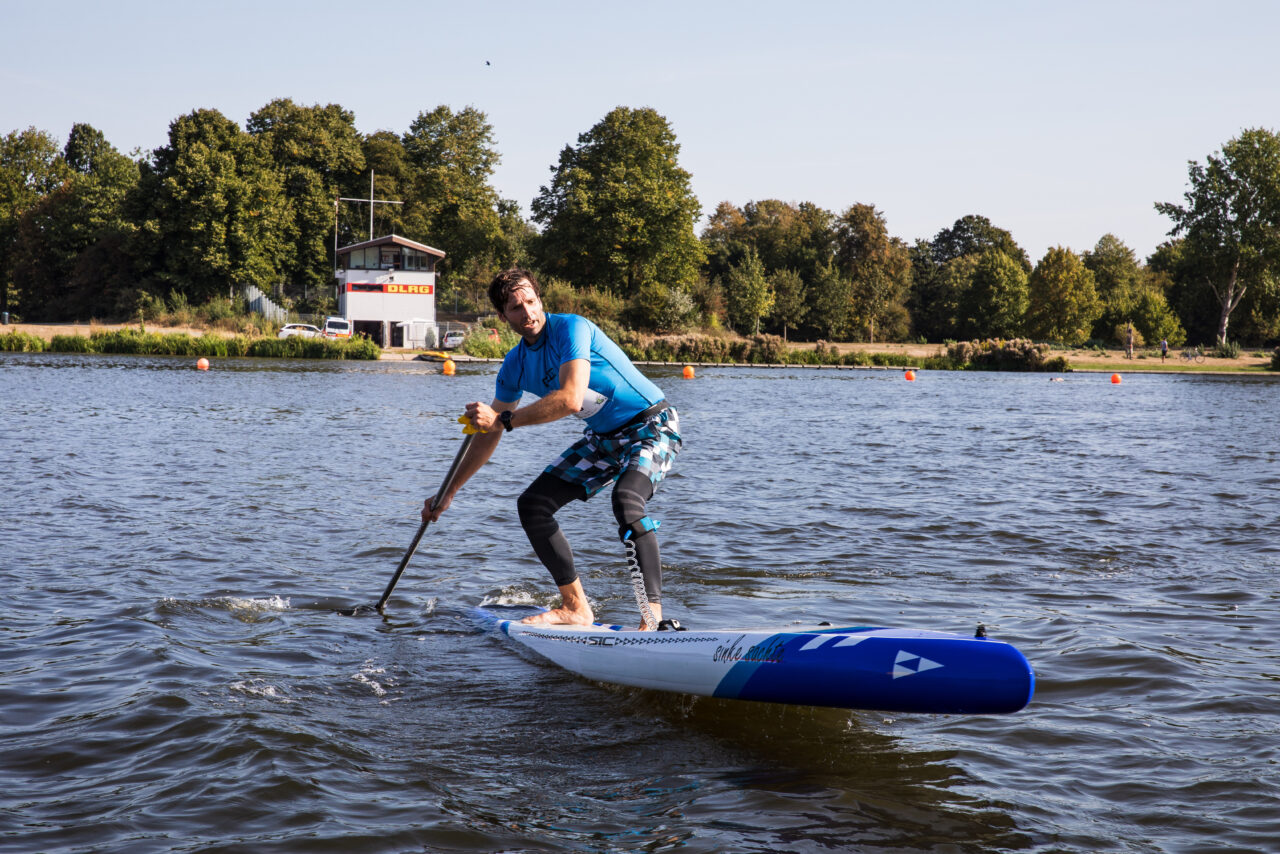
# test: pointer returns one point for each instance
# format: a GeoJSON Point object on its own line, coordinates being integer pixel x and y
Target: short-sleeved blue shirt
{"type": "Point", "coordinates": [617, 391]}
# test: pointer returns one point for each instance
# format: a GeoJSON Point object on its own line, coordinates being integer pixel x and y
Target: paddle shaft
{"type": "Point", "coordinates": [422, 529]}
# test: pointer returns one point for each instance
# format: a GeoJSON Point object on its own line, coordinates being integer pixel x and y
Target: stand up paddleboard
{"type": "Point", "coordinates": [858, 667]}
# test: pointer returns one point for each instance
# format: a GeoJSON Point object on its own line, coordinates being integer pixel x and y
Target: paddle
{"type": "Point", "coordinates": [422, 529]}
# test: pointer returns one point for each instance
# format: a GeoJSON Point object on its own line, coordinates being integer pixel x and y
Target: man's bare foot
{"type": "Point", "coordinates": [656, 610]}
{"type": "Point", "coordinates": [560, 617]}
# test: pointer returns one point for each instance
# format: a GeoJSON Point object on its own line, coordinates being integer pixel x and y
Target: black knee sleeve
{"type": "Point", "coordinates": [630, 497]}
{"type": "Point", "coordinates": [537, 507]}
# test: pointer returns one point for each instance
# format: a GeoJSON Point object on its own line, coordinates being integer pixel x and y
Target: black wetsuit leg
{"type": "Point", "coordinates": [537, 506]}
{"type": "Point", "coordinates": [630, 494]}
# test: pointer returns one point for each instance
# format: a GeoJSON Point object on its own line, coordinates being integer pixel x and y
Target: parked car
{"type": "Point", "coordinates": [337, 327]}
{"type": "Point", "coordinates": [301, 330]}
{"type": "Point", "coordinates": [453, 340]}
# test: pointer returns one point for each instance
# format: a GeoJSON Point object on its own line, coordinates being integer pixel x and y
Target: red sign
{"type": "Point", "coordinates": [390, 288]}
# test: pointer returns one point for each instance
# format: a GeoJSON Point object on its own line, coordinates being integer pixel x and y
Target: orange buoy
{"type": "Point", "coordinates": [1115, 379]}
{"type": "Point", "coordinates": [449, 368]}
{"type": "Point", "coordinates": [202, 365]}
{"type": "Point", "coordinates": [910, 376]}
{"type": "Point", "coordinates": [688, 372]}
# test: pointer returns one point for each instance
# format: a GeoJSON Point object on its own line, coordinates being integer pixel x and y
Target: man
{"type": "Point", "coordinates": [631, 439]}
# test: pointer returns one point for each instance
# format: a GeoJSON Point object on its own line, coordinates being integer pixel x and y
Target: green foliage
{"type": "Point", "coordinates": [14, 341]}
{"type": "Point", "coordinates": [1120, 335]}
{"type": "Point", "coordinates": [789, 305]}
{"type": "Point", "coordinates": [943, 272]}
{"type": "Point", "coordinates": [973, 235]}
{"type": "Point", "coordinates": [70, 344]}
{"type": "Point", "coordinates": [758, 349]}
{"type": "Point", "coordinates": [749, 295]}
{"type": "Point", "coordinates": [1227, 350]}
{"type": "Point", "coordinates": [1063, 303]}
{"type": "Point", "coordinates": [878, 267]}
{"type": "Point", "coordinates": [1231, 222]}
{"type": "Point", "coordinates": [831, 297]}
{"type": "Point", "coordinates": [993, 303]}
{"type": "Point", "coordinates": [317, 152]}
{"type": "Point", "coordinates": [619, 212]}
{"type": "Point", "coordinates": [217, 214]}
{"type": "Point", "coordinates": [1275, 360]}
{"type": "Point", "coordinates": [658, 308]}
{"type": "Point", "coordinates": [481, 344]}
{"type": "Point", "coordinates": [602, 307]}
{"type": "Point", "coordinates": [139, 342]}
{"type": "Point", "coordinates": [993, 354]}
{"type": "Point", "coordinates": [452, 204]}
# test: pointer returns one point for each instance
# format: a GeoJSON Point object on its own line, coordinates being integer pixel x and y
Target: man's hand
{"type": "Point", "coordinates": [431, 511]}
{"type": "Point", "coordinates": [483, 416]}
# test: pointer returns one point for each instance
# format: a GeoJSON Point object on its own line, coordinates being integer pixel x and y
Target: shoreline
{"type": "Point", "coordinates": [1079, 360]}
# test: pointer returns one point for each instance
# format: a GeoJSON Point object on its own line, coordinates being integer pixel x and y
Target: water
{"type": "Point", "coordinates": [172, 679]}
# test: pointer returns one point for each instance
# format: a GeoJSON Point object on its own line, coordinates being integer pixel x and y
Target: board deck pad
{"type": "Point", "coordinates": [854, 667]}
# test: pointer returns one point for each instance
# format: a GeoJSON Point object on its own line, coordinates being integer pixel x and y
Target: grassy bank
{"type": "Point", "coordinates": [140, 342]}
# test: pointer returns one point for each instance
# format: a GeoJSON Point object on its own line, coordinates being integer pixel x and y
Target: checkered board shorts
{"type": "Point", "coordinates": [597, 460]}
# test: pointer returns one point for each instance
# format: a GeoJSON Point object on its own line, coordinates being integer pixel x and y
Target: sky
{"type": "Point", "coordinates": [1059, 122]}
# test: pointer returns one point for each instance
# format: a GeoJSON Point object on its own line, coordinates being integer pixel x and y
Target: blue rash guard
{"type": "Point", "coordinates": [617, 391]}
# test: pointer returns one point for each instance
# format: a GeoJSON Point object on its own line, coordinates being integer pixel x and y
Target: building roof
{"type": "Point", "coordinates": [397, 240]}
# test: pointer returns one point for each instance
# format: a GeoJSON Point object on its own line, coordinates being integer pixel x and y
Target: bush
{"type": "Point", "coordinates": [69, 344]}
{"type": "Point", "coordinates": [138, 342]}
{"type": "Point", "coordinates": [1229, 350]}
{"type": "Point", "coordinates": [994, 354]}
{"type": "Point", "coordinates": [21, 342]}
{"type": "Point", "coordinates": [1275, 360]}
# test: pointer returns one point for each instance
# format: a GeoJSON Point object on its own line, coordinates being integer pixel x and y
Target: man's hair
{"type": "Point", "coordinates": [507, 281]}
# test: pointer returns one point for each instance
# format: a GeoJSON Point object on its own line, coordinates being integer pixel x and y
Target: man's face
{"type": "Point", "coordinates": [524, 313]}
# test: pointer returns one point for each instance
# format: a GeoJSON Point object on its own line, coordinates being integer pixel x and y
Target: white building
{"type": "Point", "coordinates": [387, 289]}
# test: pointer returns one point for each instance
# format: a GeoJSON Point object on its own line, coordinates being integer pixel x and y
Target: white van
{"type": "Point", "coordinates": [337, 327]}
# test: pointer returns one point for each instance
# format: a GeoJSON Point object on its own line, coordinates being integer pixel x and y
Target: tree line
{"type": "Point", "coordinates": [86, 231]}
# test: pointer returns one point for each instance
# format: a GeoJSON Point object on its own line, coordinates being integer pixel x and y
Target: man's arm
{"type": "Point", "coordinates": [566, 400]}
{"type": "Point", "coordinates": [482, 447]}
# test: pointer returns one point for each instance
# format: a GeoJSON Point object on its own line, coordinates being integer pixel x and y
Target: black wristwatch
{"type": "Point", "coordinates": [505, 418]}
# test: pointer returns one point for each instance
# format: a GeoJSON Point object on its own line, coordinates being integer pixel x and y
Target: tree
{"type": "Point", "coordinates": [56, 275]}
{"type": "Point", "coordinates": [317, 151]}
{"type": "Point", "coordinates": [31, 167]}
{"type": "Point", "coordinates": [619, 211]}
{"type": "Point", "coordinates": [995, 298]}
{"type": "Point", "coordinates": [878, 267]}
{"type": "Point", "coordinates": [750, 296]}
{"type": "Point", "coordinates": [830, 298]}
{"type": "Point", "coordinates": [789, 306]}
{"type": "Point", "coordinates": [1063, 303]}
{"type": "Point", "coordinates": [939, 284]}
{"type": "Point", "coordinates": [215, 211]}
{"type": "Point", "coordinates": [973, 235]}
{"type": "Point", "coordinates": [786, 236]}
{"type": "Point", "coordinates": [452, 202]}
{"type": "Point", "coordinates": [1231, 220]}
{"type": "Point", "coordinates": [1118, 278]}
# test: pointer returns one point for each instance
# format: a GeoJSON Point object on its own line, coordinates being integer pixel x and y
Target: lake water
{"type": "Point", "coordinates": [172, 679]}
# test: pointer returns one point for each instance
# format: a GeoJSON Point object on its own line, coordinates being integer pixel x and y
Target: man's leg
{"type": "Point", "coordinates": [630, 496]}
{"type": "Point", "coordinates": [537, 506]}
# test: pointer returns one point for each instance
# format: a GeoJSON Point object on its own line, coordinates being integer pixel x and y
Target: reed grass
{"type": "Point", "coordinates": [139, 342]}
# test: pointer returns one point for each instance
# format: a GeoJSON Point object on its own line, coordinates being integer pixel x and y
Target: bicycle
{"type": "Point", "coordinates": [1195, 354]}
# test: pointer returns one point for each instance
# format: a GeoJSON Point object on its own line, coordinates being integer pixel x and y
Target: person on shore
{"type": "Point", "coordinates": [1164, 349]}
{"type": "Point", "coordinates": [631, 439]}
{"type": "Point", "coordinates": [1128, 346]}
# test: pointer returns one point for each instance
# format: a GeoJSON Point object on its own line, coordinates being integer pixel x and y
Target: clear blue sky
{"type": "Point", "coordinates": [1057, 121]}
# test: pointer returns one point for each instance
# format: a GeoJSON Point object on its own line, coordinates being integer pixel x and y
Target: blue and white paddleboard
{"type": "Point", "coordinates": [857, 667]}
